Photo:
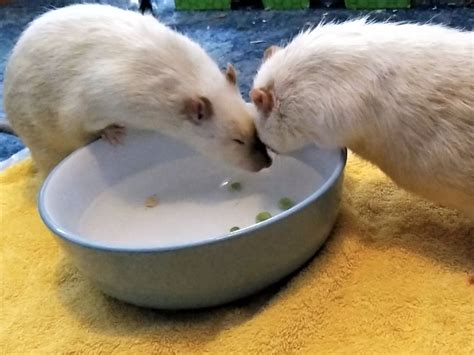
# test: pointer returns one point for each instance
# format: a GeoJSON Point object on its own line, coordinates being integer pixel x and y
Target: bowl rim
{"type": "Point", "coordinates": [74, 238]}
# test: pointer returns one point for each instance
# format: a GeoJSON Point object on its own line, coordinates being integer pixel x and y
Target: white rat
{"type": "Point", "coordinates": [88, 70]}
{"type": "Point", "coordinates": [398, 95]}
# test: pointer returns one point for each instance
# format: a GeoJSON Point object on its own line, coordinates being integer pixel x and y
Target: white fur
{"type": "Point", "coordinates": [79, 69]}
{"type": "Point", "coordinates": [399, 95]}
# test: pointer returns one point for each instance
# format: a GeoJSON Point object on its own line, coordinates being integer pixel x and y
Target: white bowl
{"type": "Point", "coordinates": [180, 254]}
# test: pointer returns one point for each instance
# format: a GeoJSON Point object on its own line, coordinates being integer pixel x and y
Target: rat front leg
{"type": "Point", "coordinates": [114, 134]}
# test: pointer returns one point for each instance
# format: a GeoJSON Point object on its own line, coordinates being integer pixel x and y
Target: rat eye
{"type": "Point", "coordinates": [238, 141]}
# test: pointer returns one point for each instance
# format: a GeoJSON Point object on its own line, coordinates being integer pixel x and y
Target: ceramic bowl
{"type": "Point", "coordinates": [191, 272]}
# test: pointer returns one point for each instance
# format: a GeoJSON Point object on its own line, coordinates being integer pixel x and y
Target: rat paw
{"type": "Point", "coordinates": [114, 134]}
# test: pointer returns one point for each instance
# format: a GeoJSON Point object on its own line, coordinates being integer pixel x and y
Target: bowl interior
{"type": "Point", "coordinates": [155, 192]}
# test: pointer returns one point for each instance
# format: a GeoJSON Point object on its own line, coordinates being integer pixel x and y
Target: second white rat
{"type": "Point", "coordinates": [398, 95]}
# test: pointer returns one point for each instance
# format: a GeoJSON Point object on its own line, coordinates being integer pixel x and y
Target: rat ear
{"type": "Point", "coordinates": [231, 74]}
{"type": "Point", "coordinates": [198, 110]}
{"type": "Point", "coordinates": [263, 99]}
{"type": "Point", "coordinates": [269, 52]}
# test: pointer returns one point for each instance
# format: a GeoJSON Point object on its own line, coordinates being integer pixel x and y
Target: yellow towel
{"type": "Point", "coordinates": [394, 277]}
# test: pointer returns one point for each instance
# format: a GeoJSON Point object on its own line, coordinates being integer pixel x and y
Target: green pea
{"type": "Point", "coordinates": [285, 203]}
{"type": "Point", "coordinates": [233, 229]}
{"type": "Point", "coordinates": [262, 216]}
{"type": "Point", "coordinates": [235, 186]}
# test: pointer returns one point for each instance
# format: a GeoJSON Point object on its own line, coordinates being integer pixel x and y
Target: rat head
{"type": "Point", "coordinates": [220, 124]}
{"type": "Point", "coordinates": [279, 100]}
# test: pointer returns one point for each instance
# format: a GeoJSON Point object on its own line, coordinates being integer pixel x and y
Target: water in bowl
{"type": "Point", "coordinates": [191, 200]}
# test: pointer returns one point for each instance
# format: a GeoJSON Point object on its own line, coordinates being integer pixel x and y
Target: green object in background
{"type": "Point", "coordinates": [235, 186]}
{"type": "Point", "coordinates": [262, 216]}
{"type": "Point", "coordinates": [202, 4]}
{"type": "Point", "coordinates": [234, 229]}
{"type": "Point", "coordinates": [376, 4]}
{"type": "Point", "coordinates": [285, 203]}
{"type": "Point", "coordinates": [285, 4]}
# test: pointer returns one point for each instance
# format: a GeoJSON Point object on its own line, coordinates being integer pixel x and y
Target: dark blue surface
{"type": "Point", "coordinates": [238, 36]}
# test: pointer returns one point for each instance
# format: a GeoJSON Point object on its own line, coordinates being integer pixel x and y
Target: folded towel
{"type": "Point", "coordinates": [393, 277]}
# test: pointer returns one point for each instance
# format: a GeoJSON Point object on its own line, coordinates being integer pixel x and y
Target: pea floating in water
{"type": "Point", "coordinates": [285, 203]}
{"type": "Point", "coordinates": [262, 216]}
{"type": "Point", "coordinates": [151, 201]}
{"type": "Point", "coordinates": [233, 229]}
{"type": "Point", "coordinates": [235, 186]}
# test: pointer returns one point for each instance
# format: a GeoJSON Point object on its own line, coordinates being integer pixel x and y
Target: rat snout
{"type": "Point", "coordinates": [260, 149]}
